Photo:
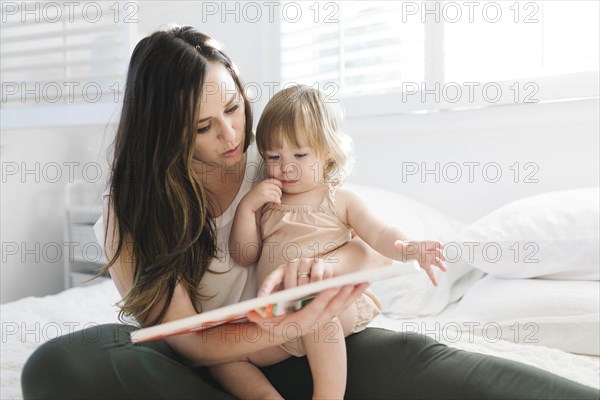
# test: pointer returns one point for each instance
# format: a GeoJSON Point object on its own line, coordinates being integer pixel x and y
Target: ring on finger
{"type": "Point", "coordinates": [303, 275]}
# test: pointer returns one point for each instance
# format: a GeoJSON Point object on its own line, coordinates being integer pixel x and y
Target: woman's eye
{"type": "Point", "coordinates": [233, 109]}
{"type": "Point", "coordinates": [204, 129]}
{"type": "Point", "coordinates": [299, 155]}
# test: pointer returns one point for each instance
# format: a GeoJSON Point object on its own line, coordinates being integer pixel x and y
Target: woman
{"type": "Point", "coordinates": [183, 160]}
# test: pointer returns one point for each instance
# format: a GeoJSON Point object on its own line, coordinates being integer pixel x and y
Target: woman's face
{"type": "Point", "coordinates": [221, 123]}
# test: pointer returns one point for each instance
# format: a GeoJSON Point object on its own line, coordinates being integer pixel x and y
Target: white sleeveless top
{"type": "Point", "coordinates": [233, 283]}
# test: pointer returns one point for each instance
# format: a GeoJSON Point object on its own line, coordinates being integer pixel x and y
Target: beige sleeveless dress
{"type": "Point", "coordinates": [290, 232]}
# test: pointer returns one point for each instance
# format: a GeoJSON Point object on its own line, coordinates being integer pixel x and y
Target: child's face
{"type": "Point", "coordinates": [298, 169]}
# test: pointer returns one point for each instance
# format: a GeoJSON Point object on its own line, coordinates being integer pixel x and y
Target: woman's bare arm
{"type": "Point", "coordinates": [226, 342]}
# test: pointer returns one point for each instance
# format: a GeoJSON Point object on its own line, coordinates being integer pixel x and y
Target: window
{"type": "Point", "coordinates": [63, 62]}
{"type": "Point", "coordinates": [361, 46]}
{"type": "Point", "coordinates": [549, 38]}
{"type": "Point", "coordinates": [443, 55]}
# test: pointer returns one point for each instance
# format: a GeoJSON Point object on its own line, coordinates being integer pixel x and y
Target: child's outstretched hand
{"type": "Point", "coordinates": [427, 253]}
{"type": "Point", "coordinates": [267, 191]}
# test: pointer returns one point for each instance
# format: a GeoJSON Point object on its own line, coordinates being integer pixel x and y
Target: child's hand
{"type": "Point", "coordinates": [427, 253]}
{"type": "Point", "coordinates": [268, 191]}
{"type": "Point", "coordinates": [328, 304]}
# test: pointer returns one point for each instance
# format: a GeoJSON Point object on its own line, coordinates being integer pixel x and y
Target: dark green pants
{"type": "Point", "coordinates": [100, 363]}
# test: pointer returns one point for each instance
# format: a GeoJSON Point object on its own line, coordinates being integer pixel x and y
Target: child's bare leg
{"type": "Point", "coordinates": [326, 353]}
{"type": "Point", "coordinates": [244, 380]}
{"type": "Point", "coordinates": [348, 319]}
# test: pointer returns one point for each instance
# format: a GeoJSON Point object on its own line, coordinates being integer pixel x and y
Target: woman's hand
{"type": "Point", "coordinates": [427, 253]}
{"type": "Point", "coordinates": [267, 191]}
{"type": "Point", "coordinates": [295, 273]}
{"type": "Point", "coordinates": [320, 311]}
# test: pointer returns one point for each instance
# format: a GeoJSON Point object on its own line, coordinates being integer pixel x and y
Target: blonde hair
{"type": "Point", "coordinates": [303, 116]}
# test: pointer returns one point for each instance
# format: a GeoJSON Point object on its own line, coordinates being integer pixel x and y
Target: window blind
{"type": "Point", "coordinates": [376, 47]}
{"type": "Point", "coordinates": [63, 53]}
{"type": "Point", "coordinates": [358, 46]}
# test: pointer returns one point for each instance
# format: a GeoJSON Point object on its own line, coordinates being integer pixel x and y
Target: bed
{"type": "Point", "coordinates": [543, 313]}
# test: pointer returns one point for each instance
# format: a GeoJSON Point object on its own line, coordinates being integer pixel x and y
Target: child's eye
{"type": "Point", "coordinates": [233, 109]}
{"type": "Point", "coordinates": [299, 155]}
{"type": "Point", "coordinates": [204, 129]}
{"type": "Point", "coordinates": [272, 158]}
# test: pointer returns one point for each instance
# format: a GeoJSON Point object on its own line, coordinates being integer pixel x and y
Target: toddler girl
{"type": "Point", "coordinates": [300, 212]}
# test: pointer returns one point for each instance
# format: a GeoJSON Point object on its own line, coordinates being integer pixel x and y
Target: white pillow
{"type": "Point", "coordinates": [553, 235]}
{"type": "Point", "coordinates": [559, 314]}
{"type": "Point", "coordinates": [413, 294]}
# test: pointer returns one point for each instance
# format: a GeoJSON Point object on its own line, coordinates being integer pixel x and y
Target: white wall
{"type": "Point", "coordinates": [562, 139]}
{"type": "Point", "coordinates": [37, 164]}
{"type": "Point", "coordinates": [32, 209]}
{"type": "Point", "coordinates": [253, 46]}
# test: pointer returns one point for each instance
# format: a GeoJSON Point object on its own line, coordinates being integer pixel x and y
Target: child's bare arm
{"type": "Point", "coordinates": [245, 241]}
{"type": "Point", "coordinates": [368, 227]}
{"type": "Point", "coordinates": [388, 240]}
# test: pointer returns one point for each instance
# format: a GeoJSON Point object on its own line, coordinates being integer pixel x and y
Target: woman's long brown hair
{"type": "Point", "coordinates": [160, 205]}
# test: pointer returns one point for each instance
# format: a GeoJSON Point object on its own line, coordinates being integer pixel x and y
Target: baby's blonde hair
{"type": "Point", "coordinates": [303, 116]}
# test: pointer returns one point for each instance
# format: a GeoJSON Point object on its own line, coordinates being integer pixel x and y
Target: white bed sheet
{"type": "Point", "coordinates": [29, 322]}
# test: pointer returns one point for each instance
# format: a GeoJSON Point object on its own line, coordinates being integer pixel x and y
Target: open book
{"type": "Point", "coordinates": [275, 304]}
